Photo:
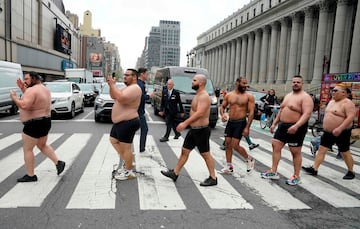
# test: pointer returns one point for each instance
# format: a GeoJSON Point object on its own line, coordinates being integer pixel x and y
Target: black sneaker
{"type": "Point", "coordinates": [349, 176]}
{"type": "Point", "coordinates": [310, 170]}
{"type": "Point", "coordinates": [27, 178]}
{"type": "Point", "coordinates": [177, 136]}
{"type": "Point", "coordinates": [60, 167]}
{"type": "Point", "coordinates": [253, 146]}
{"type": "Point", "coordinates": [209, 182]}
{"type": "Point", "coordinates": [164, 139]}
{"type": "Point", "coordinates": [170, 173]}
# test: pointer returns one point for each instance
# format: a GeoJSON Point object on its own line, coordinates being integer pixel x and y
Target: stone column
{"type": "Point", "coordinates": [243, 55]}
{"type": "Point", "coordinates": [227, 63]}
{"type": "Point", "coordinates": [338, 39]}
{"type": "Point", "coordinates": [264, 54]}
{"type": "Point", "coordinates": [282, 51]}
{"type": "Point", "coordinates": [223, 65]}
{"type": "Point", "coordinates": [306, 44]}
{"type": "Point", "coordinates": [296, 18]}
{"type": "Point", "coordinates": [272, 54]}
{"type": "Point", "coordinates": [250, 55]}
{"type": "Point", "coordinates": [232, 61]}
{"type": "Point", "coordinates": [256, 60]}
{"type": "Point", "coordinates": [321, 42]}
{"type": "Point", "coordinates": [237, 58]}
{"type": "Point", "coordinates": [354, 65]}
{"type": "Point", "coordinates": [219, 64]}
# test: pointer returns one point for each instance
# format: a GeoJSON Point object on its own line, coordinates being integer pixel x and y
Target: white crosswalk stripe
{"type": "Point", "coordinates": [156, 192]}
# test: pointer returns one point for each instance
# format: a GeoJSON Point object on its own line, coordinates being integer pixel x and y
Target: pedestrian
{"type": "Point", "coordinates": [293, 116]}
{"type": "Point", "coordinates": [337, 124]}
{"type": "Point", "coordinates": [142, 78]}
{"type": "Point", "coordinates": [126, 121]}
{"type": "Point", "coordinates": [241, 106]}
{"type": "Point", "coordinates": [269, 101]}
{"type": "Point", "coordinates": [199, 133]}
{"type": "Point", "coordinates": [35, 114]}
{"type": "Point", "coordinates": [171, 106]}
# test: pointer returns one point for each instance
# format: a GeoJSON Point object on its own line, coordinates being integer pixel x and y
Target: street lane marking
{"type": "Point", "coordinates": [9, 140]}
{"type": "Point", "coordinates": [156, 192]}
{"type": "Point", "coordinates": [94, 188]}
{"type": "Point", "coordinates": [33, 194]}
{"type": "Point", "coordinates": [15, 160]}
{"type": "Point", "coordinates": [317, 187]}
{"type": "Point", "coordinates": [221, 196]}
{"type": "Point", "coordinates": [275, 196]}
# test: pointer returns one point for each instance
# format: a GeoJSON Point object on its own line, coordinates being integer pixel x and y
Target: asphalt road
{"type": "Point", "coordinates": [85, 196]}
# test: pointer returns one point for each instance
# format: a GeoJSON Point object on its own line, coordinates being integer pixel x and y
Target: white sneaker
{"type": "Point", "coordinates": [125, 175]}
{"type": "Point", "coordinates": [250, 165]}
{"type": "Point", "coordinates": [227, 170]}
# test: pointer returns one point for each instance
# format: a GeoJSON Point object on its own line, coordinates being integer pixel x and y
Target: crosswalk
{"type": "Point", "coordinates": [94, 189]}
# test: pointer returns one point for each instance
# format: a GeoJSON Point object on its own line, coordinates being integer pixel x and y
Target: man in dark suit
{"type": "Point", "coordinates": [170, 106]}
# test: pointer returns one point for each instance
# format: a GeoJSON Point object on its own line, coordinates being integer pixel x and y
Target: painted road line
{"type": "Point", "coordinates": [317, 187]}
{"type": "Point", "coordinates": [15, 160]}
{"type": "Point", "coordinates": [156, 192]}
{"type": "Point", "coordinates": [9, 140]}
{"type": "Point", "coordinates": [275, 196]}
{"type": "Point", "coordinates": [221, 196]}
{"type": "Point", "coordinates": [33, 194]}
{"type": "Point", "coordinates": [94, 188]}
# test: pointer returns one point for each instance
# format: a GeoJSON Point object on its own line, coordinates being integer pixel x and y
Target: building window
{"type": "Point", "coordinates": [236, 21]}
{"type": "Point", "coordinates": [241, 21]}
{"type": "Point", "coordinates": [270, 3]}
{"type": "Point", "coordinates": [262, 8]}
{"type": "Point", "coordinates": [254, 12]}
{"type": "Point", "coordinates": [247, 16]}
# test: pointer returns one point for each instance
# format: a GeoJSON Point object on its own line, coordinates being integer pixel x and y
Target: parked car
{"type": "Point", "coordinates": [9, 73]}
{"type": "Point", "coordinates": [90, 92]}
{"type": "Point", "coordinates": [104, 103]}
{"type": "Point", "coordinates": [66, 98]}
{"type": "Point", "coordinates": [259, 105]}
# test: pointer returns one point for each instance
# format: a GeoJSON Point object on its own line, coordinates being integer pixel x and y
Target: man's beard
{"type": "Point", "coordinates": [296, 89]}
{"type": "Point", "coordinates": [31, 83]}
{"type": "Point", "coordinates": [241, 89]}
{"type": "Point", "coordinates": [195, 87]}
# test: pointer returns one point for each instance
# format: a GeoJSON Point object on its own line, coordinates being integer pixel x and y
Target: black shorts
{"type": "Point", "coordinates": [293, 140]}
{"type": "Point", "coordinates": [37, 127]}
{"type": "Point", "coordinates": [124, 131]}
{"type": "Point", "coordinates": [235, 128]}
{"type": "Point", "coordinates": [342, 141]}
{"type": "Point", "coordinates": [198, 137]}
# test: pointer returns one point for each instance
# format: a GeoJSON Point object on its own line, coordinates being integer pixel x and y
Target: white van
{"type": "Point", "coordinates": [9, 73]}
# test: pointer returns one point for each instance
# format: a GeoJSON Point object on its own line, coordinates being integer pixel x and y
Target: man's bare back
{"type": "Point", "coordinates": [126, 106]}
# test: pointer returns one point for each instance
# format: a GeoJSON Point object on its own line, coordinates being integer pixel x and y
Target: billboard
{"type": "Point", "coordinates": [62, 40]}
{"type": "Point", "coordinates": [95, 59]}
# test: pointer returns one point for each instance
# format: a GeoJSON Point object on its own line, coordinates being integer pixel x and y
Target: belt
{"type": "Point", "coordinates": [198, 127]}
{"type": "Point", "coordinates": [36, 119]}
{"type": "Point", "coordinates": [237, 120]}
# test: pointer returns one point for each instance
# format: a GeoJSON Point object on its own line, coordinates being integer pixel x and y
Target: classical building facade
{"type": "Point", "coordinates": [270, 41]}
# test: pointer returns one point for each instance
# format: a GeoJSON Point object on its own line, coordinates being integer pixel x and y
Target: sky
{"type": "Point", "coordinates": [126, 23]}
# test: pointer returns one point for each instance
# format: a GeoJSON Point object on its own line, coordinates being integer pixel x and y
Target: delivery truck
{"type": "Point", "coordinates": [79, 75]}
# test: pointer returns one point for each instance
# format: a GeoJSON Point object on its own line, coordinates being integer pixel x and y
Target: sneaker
{"type": "Point", "coordinates": [227, 169]}
{"type": "Point", "coordinates": [250, 165]}
{"type": "Point", "coordinates": [338, 156]}
{"type": "Point", "coordinates": [209, 182]}
{"type": "Point", "coordinates": [270, 175]}
{"type": "Point", "coordinates": [253, 146]}
{"type": "Point", "coordinates": [164, 139]}
{"type": "Point", "coordinates": [60, 167]}
{"type": "Point", "coordinates": [27, 178]}
{"type": "Point", "coordinates": [313, 149]}
{"type": "Point", "coordinates": [125, 175]}
{"type": "Point", "coordinates": [177, 136]}
{"type": "Point", "coordinates": [349, 175]}
{"type": "Point", "coordinates": [310, 170]}
{"type": "Point", "coordinates": [170, 173]}
{"type": "Point", "coordinates": [294, 180]}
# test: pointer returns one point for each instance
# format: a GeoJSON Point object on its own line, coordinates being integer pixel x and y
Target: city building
{"type": "Point", "coordinates": [162, 46]}
{"type": "Point", "coordinates": [270, 41]}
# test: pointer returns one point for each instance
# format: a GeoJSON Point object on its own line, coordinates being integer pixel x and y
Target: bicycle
{"type": "Point", "coordinates": [268, 122]}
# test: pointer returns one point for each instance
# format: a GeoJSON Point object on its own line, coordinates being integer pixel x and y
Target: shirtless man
{"type": "Point", "coordinates": [199, 133]}
{"type": "Point", "coordinates": [338, 119]}
{"type": "Point", "coordinates": [126, 120]}
{"type": "Point", "coordinates": [293, 116]}
{"type": "Point", "coordinates": [241, 105]}
{"type": "Point", "coordinates": [35, 114]}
